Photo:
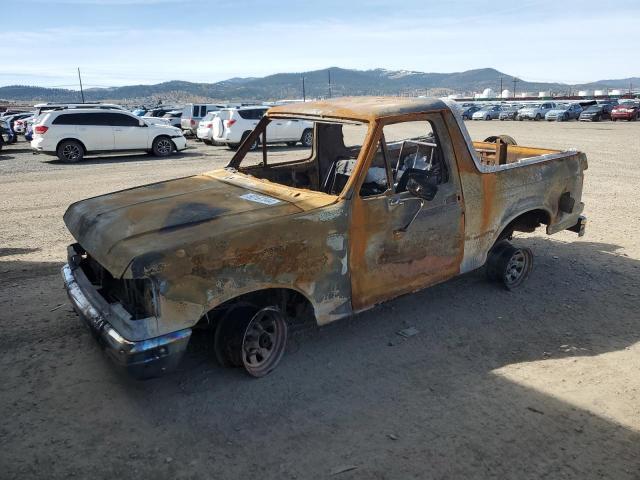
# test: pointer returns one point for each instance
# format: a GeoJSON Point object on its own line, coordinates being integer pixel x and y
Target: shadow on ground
{"type": "Point", "coordinates": [129, 157]}
{"type": "Point", "coordinates": [351, 394]}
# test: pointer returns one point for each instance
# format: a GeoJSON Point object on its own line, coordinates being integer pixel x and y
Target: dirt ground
{"type": "Point", "coordinates": [538, 383]}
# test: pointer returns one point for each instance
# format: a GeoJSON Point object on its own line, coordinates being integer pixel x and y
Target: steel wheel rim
{"type": "Point", "coordinates": [71, 152]}
{"type": "Point", "coordinates": [308, 138]}
{"type": "Point", "coordinates": [516, 268]}
{"type": "Point", "coordinates": [164, 147]}
{"type": "Point", "coordinates": [263, 341]}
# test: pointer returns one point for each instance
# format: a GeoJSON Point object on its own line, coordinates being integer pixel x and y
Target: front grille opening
{"type": "Point", "coordinates": [135, 295]}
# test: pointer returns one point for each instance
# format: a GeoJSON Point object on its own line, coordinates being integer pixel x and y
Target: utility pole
{"type": "Point", "coordinates": [304, 93]}
{"type": "Point", "coordinates": [500, 86]}
{"type": "Point", "coordinates": [329, 72]}
{"type": "Point", "coordinates": [515, 80]}
{"type": "Point", "coordinates": [81, 90]}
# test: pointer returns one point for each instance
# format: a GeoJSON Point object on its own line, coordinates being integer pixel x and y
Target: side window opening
{"type": "Point", "coordinates": [413, 147]}
{"type": "Point", "coordinates": [315, 155]}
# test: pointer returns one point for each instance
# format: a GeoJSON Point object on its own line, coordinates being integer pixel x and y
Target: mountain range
{"type": "Point", "coordinates": [289, 85]}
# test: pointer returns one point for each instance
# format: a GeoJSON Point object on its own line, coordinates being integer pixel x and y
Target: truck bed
{"type": "Point", "coordinates": [490, 154]}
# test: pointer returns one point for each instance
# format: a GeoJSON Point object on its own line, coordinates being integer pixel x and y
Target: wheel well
{"type": "Point", "coordinates": [526, 222]}
{"type": "Point", "coordinates": [297, 307]}
{"type": "Point", "coordinates": [73, 139]}
{"type": "Point", "coordinates": [161, 136]}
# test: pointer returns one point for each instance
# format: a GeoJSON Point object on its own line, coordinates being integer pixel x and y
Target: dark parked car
{"type": "Point", "coordinates": [8, 136]}
{"type": "Point", "coordinates": [626, 111]}
{"type": "Point", "coordinates": [469, 111]}
{"type": "Point", "coordinates": [595, 113]}
{"type": "Point", "coordinates": [4, 135]}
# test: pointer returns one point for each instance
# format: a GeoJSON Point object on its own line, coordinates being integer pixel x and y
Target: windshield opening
{"type": "Point", "coordinates": [314, 155]}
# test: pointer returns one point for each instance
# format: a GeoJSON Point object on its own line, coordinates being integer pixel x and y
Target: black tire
{"type": "Point", "coordinates": [70, 151]}
{"type": "Point", "coordinates": [307, 138]}
{"type": "Point", "coordinates": [207, 142]}
{"type": "Point", "coordinates": [503, 138]}
{"type": "Point", "coordinates": [509, 265]}
{"type": "Point", "coordinates": [162, 146]}
{"type": "Point", "coordinates": [291, 144]}
{"type": "Point", "coordinates": [252, 337]}
{"type": "Point", "coordinates": [537, 117]}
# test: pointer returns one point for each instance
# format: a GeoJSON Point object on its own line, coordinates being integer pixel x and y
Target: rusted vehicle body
{"type": "Point", "coordinates": [260, 245]}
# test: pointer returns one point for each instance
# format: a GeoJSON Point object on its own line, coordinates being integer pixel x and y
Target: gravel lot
{"type": "Point", "coordinates": [538, 383]}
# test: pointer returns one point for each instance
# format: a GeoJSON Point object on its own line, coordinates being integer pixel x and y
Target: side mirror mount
{"type": "Point", "coordinates": [418, 185]}
{"type": "Point", "coordinates": [142, 123]}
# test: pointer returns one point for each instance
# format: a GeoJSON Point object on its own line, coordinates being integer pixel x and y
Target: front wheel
{"type": "Point", "coordinates": [252, 337]}
{"type": "Point", "coordinates": [537, 117]}
{"type": "Point", "coordinates": [70, 151]}
{"type": "Point", "coordinates": [162, 146]}
{"type": "Point", "coordinates": [307, 138]}
{"type": "Point", "coordinates": [509, 264]}
{"type": "Point", "coordinates": [291, 144]}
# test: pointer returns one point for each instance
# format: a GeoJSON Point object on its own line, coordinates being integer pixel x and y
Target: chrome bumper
{"type": "Point", "coordinates": [142, 359]}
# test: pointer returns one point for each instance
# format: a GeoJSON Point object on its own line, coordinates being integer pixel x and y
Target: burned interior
{"type": "Point", "coordinates": [330, 163]}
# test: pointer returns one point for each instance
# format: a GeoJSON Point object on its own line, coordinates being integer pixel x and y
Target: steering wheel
{"type": "Point", "coordinates": [402, 184]}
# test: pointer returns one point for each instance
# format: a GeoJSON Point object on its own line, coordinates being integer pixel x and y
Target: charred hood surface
{"type": "Point", "coordinates": [117, 227]}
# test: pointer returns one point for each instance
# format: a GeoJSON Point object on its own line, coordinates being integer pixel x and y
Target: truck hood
{"type": "Point", "coordinates": [117, 227]}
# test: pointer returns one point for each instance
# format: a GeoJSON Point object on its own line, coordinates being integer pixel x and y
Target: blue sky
{"type": "Point", "coordinates": [121, 42]}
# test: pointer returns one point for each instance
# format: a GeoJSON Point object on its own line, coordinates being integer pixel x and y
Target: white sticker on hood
{"type": "Point", "coordinates": [256, 197]}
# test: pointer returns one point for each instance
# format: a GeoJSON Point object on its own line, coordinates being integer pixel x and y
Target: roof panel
{"type": "Point", "coordinates": [363, 108]}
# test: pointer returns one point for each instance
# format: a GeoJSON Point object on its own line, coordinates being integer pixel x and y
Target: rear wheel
{"type": "Point", "coordinates": [70, 151]}
{"type": "Point", "coordinates": [162, 146]}
{"type": "Point", "coordinates": [509, 264]}
{"type": "Point", "coordinates": [307, 138]}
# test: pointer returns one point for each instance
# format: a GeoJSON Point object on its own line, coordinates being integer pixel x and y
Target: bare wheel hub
{"type": "Point", "coordinates": [264, 341]}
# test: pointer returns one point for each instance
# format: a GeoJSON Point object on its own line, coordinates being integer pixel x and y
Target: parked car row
{"type": "Point", "coordinates": [552, 111]}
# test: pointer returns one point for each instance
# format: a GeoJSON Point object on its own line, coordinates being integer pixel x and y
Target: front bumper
{"type": "Point", "coordinates": [180, 142]}
{"type": "Point", "coordinates": [623, 116]}
{"type": "Point", "coordinates": [141, 359]}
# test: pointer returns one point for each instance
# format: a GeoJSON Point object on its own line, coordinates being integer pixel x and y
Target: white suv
{"type": "Point", "coordinates": [72, 133]}
{"type": "Point", "coordinates": [205, 127]}
{"type": "Point", "coordinates": [241, 121]}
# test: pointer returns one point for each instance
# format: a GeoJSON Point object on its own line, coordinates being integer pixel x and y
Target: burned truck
{"type": "Point", "coordinates": [391, 197]}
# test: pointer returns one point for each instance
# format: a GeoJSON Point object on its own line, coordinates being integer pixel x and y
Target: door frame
{"type": "Point", "coordinates": [359, 210]}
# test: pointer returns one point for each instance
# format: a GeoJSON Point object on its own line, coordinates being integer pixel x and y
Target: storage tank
{"type": "Point", "coordinates": [488, 93]}
{"type": "Point", "coordinates": [544, 94]}
{"type": "Point", "coordinates": [506, 93]}
{"type": "Point", "coordinates": [524, 94]}
{"type": "Point", "coordinates": [599, 93]}
{"type": "Point", "coordinates": [615, 92]}
{"type": "Point", "coordinates": [584, 93]}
